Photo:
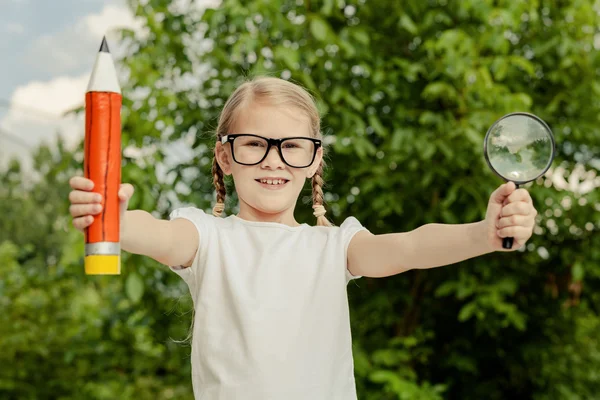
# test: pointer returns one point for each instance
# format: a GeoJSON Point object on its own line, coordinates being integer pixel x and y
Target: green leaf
{"type": "Point", "coordinates": [361, 36]}
{"type": "Point", "coordinates": [445, 289]}
{"type": "Point", "coordinates": [375, 123]}
{"type": "Point", "coordinates": [327, 8]}
{"type": "Point", "coordinates": [524, 64]}
{"type": "Point", "coordinates": [407, 23]}
{"type": "Point", "coordinates": [320, 29]}
{"type": "Point", "coordinates": [354, 102]}
{"type": "Point", "coordinates": [289, 56]}
{"type": "Point", "coordinates": [134, 287]}
{"type": "Point", "coordinates": [578, 271]}
{"type": "Point", "coordinates": [467, 311]}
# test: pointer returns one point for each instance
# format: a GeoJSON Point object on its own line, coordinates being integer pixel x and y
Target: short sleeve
{"type": "Point", "coordinates": [202, 223]}
{"type": "Point", "coordinates": [348, 229]}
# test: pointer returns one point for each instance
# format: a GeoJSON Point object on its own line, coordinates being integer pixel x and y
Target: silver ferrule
{"type": "Point", "coordinates": [103, 249]}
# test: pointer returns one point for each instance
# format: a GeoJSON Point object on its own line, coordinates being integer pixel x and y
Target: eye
{"type": "Point", "coordinates": [254, 143]}
{"type": "Point", "coordinates": [290, 145]}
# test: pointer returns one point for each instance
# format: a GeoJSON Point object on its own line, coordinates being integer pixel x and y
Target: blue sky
{"type": "Point", "coordinates": [23, 23]}
{"type": "Point", "coordinates": [48, 49]}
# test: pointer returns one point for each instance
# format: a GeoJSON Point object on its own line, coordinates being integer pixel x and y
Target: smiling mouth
{"type": "Point", "coordinates": [273, 182]}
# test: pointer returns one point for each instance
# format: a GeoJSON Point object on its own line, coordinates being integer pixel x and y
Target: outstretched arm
{"type": "Point", "coordinates": [510, 213]}
{"type": "Point", "coordinates": [173, 243]}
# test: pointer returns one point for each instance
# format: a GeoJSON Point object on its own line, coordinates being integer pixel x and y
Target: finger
{"type": "Point", "coordinates": [519, 233]}
{"type": "Point", "coordinates": [81, 197]}
{"type": "Point", "coordinates": [78, 210]}
{"type": "Point", "coordinates": [503, 191]}
{"type": "Point", "coordinates": [126, 191]}
{"type": "Point", "coordinates": [517, 208]}
{"type": "Point", "coordinates": [516, 220]}
{"type": "Point", "coordinates": [519, 195]}
{"type": "Point", "coordinates": [83, 222]}
{"type": "Point", "coordinates": [81, 183]}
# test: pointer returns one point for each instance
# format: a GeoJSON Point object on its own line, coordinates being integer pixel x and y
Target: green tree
{"type": "Point", "coordinates": [65, 335]}
{"type": "Point", "coordinates": [407, 91]}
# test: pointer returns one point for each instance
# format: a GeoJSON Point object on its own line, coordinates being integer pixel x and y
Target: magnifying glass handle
{"type": "Point", "coordinates": [507, 242]}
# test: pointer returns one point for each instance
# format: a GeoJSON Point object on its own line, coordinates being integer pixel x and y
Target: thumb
{"type": "Point", "coordinates": [500, 194]}
{"type": "Point", "coordinates": [125, 192]}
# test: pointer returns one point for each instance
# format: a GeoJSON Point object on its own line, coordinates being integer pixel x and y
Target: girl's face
{"type": "Point", "coordinates": [260, 201]}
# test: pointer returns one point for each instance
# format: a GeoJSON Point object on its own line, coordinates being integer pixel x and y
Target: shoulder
{"type": "Point", "coordinates": [351, 224]}
{"type": "Point", "coordinates": [191, 213]}
{"type": "Point", "coordinates": [348, 230]}
{"type": "Point", "coordinates": [191, 230]}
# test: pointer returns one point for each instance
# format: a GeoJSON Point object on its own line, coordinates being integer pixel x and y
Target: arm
{"type": "Point", "coordinates": [510, 213]}
{"type": "Point", "coordinates": [428, 246]}
{"type": "Point", "coordinates": [173, 243]}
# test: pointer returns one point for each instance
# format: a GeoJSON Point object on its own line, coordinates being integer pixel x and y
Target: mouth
{"type": "Point", "coordinates": [272, 182]}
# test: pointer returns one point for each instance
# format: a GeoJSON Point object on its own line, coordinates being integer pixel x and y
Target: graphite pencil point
{"type": "Point", "coordinates": [104, 45]}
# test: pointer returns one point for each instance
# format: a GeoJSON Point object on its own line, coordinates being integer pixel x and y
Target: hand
{"type": "Point", "coordinates": [85, 203]}
{"type": "Point", "coordinates": [510, 213]}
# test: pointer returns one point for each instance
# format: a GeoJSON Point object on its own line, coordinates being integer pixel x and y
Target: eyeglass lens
{"type": "Point", "coordinates": [296, 152]}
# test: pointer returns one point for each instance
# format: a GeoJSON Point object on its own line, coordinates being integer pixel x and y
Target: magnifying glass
{"type": "Point", "coordinates": [519, 147]}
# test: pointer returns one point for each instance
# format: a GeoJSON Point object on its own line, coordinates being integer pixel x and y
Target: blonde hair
{"type": "Point", "coordinates": [278, 92]}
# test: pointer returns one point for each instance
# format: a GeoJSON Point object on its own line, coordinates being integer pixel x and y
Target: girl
{"type": "Point", "coordinates": [271, 312]}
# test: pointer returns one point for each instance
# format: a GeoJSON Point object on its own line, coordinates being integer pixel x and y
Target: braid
{"type": "Point", "coordinates": [317, 197]}
{"type": "Point", "coordinates": [220, 186]}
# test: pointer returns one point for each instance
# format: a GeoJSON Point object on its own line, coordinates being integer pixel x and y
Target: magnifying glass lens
{"type": "Point", "coordinates": [519, 148]}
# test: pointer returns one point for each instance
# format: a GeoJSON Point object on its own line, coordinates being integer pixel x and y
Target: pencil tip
{"type": "Point", "coordinates": [104, 46]}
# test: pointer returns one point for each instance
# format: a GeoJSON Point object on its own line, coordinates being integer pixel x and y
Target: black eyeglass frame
{"type": "Point", "coordinates": [270, 143]}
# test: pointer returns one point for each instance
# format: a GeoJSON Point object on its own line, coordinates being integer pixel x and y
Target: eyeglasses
{"type": "Point", "coordinates": [297, 152]}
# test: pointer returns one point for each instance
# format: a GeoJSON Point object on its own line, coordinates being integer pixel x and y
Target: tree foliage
{"type": "Point", "coordinates": [407, 91]}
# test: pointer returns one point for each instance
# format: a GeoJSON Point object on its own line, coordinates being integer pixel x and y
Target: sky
{"type": "Point", "coordinates": [48, 49]}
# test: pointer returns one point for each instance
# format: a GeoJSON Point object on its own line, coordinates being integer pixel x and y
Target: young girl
{"type": "Point", "coordinates": [271, 310]}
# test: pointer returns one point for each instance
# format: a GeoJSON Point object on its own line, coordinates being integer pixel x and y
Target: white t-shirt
{"type": "Point", "coordinates": [271, 310]}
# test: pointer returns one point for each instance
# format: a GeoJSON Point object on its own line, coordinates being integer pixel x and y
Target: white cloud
{"type": "Point", "coordinates": [109, 18]}
{"type": "Point", "coordinates": [64, 51]}
{"type": "Point", "coordinates": [14, 28]}
{"type": "Point", "coordinates": [55, 96]}
{"type": "Point", "coordinates": [36, 115]}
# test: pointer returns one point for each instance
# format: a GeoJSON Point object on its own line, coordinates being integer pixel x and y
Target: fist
{"type": "Point", "coordinates": [510, 213]}
{"type": "Point", "coordinates": [85, 203]}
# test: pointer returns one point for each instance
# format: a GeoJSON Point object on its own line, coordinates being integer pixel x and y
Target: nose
{"type": "Point", "coordinates": [273, 159]}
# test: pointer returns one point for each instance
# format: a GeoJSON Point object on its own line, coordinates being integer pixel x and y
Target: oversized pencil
{"type": "Point", "coordinates": [102, 164]}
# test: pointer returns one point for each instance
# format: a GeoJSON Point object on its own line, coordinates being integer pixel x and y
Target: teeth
{"type": "Point", "coordinates": [273, 181]}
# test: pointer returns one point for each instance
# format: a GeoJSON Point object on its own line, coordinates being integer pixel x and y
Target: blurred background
{"type": "Point", "coordinates": [407, 91]}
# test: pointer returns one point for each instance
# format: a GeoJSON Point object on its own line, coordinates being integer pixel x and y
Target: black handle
{"type": "Point", "coordinates": [507, 242]}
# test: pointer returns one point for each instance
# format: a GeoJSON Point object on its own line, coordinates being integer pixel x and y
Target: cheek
{"type": "Point", "coordinates": [241, 177]}
{"type": "Point", "coordinates": [299, 179]}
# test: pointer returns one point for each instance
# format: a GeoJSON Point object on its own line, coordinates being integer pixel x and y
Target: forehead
{"type": "Point", "coordinates": [271, 121]}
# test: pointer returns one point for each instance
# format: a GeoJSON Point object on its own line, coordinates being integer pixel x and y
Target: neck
{"type": "Point", "coordinates": [251, 214]}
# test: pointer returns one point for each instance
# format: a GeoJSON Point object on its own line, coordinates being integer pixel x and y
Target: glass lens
{"type": "Point", "coordinates": [298, 152]}
{"type": "Point", "coordinates": [519, 148]}
{"type": "Point", "coordinates": [295, 152]}
{"type": "Point", "coordinates": [249, 149]}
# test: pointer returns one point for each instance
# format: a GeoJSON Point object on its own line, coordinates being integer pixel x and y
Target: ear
{"type": "Point", "coordinates": [312, 170]}
{"type": "Point", "coordinates": [223, 158]}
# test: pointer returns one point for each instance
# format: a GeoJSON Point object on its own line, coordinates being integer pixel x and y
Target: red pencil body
{"type": "Point", "coordinates": [102, 162]}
